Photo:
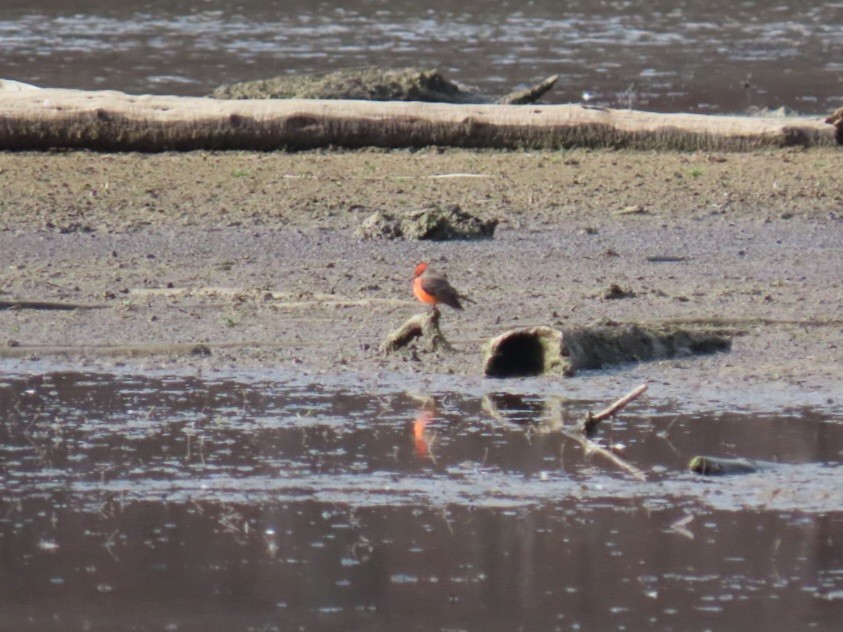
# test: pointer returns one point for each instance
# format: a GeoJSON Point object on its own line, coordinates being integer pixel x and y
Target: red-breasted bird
{"type": "Point", "coordinates": [433, 288]}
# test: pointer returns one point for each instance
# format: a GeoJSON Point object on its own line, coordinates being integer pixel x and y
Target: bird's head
{"type": "Point", "coordinates": [419, 269]}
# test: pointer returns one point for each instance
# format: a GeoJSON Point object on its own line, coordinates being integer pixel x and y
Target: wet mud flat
{"type": "Point", "coordinates": [253, 259]}
{"type": "Point", "coordinates": [211, 440]}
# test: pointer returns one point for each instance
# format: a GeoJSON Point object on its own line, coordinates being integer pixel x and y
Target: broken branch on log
{"type": "Point", "coordinates": [531, 94]}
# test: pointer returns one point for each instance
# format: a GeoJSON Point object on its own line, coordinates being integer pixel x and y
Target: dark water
{"type": "Point", "coordinates": [685, 55]}
{"type": "Point", "coordinates": [171, 502]}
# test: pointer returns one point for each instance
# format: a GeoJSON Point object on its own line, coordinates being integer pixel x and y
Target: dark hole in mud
{"type": "Point", "coordinates": [713, 345]}
{"type": "Point", "coordinates": [521, 355]}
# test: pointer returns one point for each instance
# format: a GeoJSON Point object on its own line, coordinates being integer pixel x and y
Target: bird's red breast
{"type": "Point", "coordinates": [433, 288]}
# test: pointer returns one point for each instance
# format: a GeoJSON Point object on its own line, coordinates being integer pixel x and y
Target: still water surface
{"type": "Point", "coordinates": [185, 502]}
{"type": "Point", "coordinates": [663, 55]}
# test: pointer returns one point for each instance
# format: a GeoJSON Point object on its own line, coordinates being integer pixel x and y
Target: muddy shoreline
{"type": "Point", "coordinates": [250, 259]}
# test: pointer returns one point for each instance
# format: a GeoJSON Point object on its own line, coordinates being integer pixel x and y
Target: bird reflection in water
{"type": "Point", "coordinates": [423, 437]}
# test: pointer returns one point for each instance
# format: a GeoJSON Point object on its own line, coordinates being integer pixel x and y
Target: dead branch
{"type": "Point", "coordinates": [589, 423]}
{"type": "Point", "coordinates": [531, 94]}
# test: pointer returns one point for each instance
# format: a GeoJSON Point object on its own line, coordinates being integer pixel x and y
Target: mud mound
{"type": "Point", "coordinates": [372, 84]}
{"type": "Point", "coordinates": [434, 223]}
{"type": "Point", "coordinates": [377, 84]}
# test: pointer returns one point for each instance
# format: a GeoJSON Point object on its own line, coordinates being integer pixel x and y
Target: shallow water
{"type": "Point", "coordinates": [693, 55]}
{"type": "Point", "coordinates": [222, 502]}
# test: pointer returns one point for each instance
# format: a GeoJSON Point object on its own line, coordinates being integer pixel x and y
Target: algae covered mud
{"type": "Point", "coordinates": [273, 500]}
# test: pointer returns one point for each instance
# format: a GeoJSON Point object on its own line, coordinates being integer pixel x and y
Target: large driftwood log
{"type": "Point", "coordinates": [113, 121]}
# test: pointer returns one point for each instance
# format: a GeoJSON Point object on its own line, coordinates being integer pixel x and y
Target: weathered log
{"type": "Point", "coordinates": [537, 350]}
{"type": "Point", "coordinates": [113, 121]}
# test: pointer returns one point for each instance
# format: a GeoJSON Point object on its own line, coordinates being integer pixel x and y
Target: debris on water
{"type": "Point", "coordinates": [715, 466]}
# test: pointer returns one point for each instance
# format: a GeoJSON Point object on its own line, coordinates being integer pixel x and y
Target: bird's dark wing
{"type": "Point", "coordinates": [438, 286]}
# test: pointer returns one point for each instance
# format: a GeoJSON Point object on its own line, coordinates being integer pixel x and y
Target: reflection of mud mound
{"type": "Point", "coordinates": [537, 350]}
{"type": "Point", "coordinates": [435, 224]}
{"type": "Point", "coordinates": [374, 84]}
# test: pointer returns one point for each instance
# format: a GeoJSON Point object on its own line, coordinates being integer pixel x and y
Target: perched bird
{"type": "Point", "coordinates": [433, 288]}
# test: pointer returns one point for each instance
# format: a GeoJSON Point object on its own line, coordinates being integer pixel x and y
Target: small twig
{"type": "Point", "coordinates": [589, 423]}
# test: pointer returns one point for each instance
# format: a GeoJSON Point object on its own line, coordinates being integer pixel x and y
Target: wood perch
{"type": "Point", "coordinates": [114, 121]}
{"type": "Point", "coordinates": [425, 325]}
